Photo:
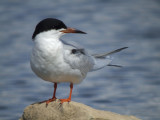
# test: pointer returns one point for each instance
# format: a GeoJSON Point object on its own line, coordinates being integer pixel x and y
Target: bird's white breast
{"type": "Point", "coordinates": [47, 61]}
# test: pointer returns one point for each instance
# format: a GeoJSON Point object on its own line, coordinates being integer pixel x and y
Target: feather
{"type": "Point", "coordinates": [103, 55]}
{"type": "Point", "coordinates": [115, 65]}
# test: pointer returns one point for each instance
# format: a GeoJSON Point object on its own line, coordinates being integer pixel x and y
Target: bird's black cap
{"type": "Point", "coordinates": [48, 24]}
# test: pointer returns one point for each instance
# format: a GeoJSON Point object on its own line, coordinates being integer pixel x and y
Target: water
{"type": "Point", "coordinates": [110, 24]}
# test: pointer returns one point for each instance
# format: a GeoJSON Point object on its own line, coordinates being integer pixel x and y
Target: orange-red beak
{"type": "Point", "coordinates": [72, 30]}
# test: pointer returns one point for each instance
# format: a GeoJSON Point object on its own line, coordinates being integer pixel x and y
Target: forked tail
{"type": "Point", "coordinates": [103, 59]}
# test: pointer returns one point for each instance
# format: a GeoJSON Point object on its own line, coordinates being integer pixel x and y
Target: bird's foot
{"type": "Point", "coordinates": [65, 100]}
{"type": "Point", "coordinates": [48, 101]}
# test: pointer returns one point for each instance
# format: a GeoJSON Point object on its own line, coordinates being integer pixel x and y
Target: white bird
{"type": "Point", "coordinates": [57, 61]}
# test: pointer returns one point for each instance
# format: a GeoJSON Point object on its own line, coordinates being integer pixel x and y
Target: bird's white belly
{"type": "Point", "coordinates": [53, 68]}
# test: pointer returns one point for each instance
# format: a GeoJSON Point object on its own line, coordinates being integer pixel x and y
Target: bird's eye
{"type": "Point", "coordinates": [73, 51]}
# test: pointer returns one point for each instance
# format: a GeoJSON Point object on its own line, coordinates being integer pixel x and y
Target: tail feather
{"type": "Point", "coordinates": [108, 53]}
{"type": "Point", "coordinates": [102, 60]}
{"type": "Point", "coordinates": [101, 63]}
{"type": "Point", "coordinates": [114, 65]}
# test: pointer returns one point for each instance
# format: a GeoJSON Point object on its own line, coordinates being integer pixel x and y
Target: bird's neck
{"type": "Point", "coordinates": [48, 42]}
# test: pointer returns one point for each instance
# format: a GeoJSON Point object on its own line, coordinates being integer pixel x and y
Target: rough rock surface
{"type": "Point", "coordinates": [69, 111]}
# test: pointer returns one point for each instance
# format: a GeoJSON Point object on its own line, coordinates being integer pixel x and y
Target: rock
{"type": "Point", "coordinates": [69, 111]}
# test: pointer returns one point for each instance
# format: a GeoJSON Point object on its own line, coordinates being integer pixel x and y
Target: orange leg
{"type": "Point", "coordinates": [54, 95]}
{"type": "Point", "coordinates": [69, 98]}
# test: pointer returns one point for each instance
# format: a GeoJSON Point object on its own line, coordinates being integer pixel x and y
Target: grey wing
{"type": "Point", "coordinates": [78, 59]}
{"type": "Point", "coordinates": [68, 45]}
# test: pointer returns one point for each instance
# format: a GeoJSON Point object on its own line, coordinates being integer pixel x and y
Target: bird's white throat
{"type": "Point", "coordinates": [54, 34]}
{"type": "Point", "coordinates": [48, 41]}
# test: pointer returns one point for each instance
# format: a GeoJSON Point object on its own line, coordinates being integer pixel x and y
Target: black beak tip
{"type": "Point", "coordinates": [81, 32]}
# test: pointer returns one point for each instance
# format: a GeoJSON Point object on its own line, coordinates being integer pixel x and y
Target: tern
{"type": "Point", "coordinates": [56, 61]}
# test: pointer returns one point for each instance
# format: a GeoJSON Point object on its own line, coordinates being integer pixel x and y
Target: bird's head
{"type": "Point", "coordinates": [53, 26]}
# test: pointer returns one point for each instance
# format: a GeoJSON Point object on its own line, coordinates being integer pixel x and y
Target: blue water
{"type": "Point", "coordinates": [110, 24]}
